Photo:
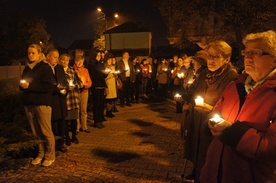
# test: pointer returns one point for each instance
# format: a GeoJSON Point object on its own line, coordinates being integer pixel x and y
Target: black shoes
{"type": "Point", "coordinates": [190, 178]}
{"type": "Point", "coordinates": [115, 110]}
{"type": "Point", "coordinates": [109, 114]}
{"type": "Point", "coordinates": [99, 125]}
{"type": "Point", "coordinates": [75, 140]}
{"type": "Point", "coordinates": [67, 142]}
{"type": "Point", "coordinates": [129, 104]}
{"type": "Point", "coordinates": [62, 149]}
{"type": "Point", "coordinates": [86, 131]}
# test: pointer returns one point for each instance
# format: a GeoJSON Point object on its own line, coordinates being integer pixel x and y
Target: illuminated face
{"type": "Point", "coordinates": [109, 61]}
{"type": "Point", "coordinates": [33, 54]}
{"type": "Point", "coordinates": [187, 62]}
{"type": "Point", "coordinates": [64, 61]}
{"type": "Point", "coordinates": [52, 57]}
{"type": "Point", "coordinates": [98, 56]}
{"type": "Point", "coordinates": [126, 56]}
{"type": "Point", "coordinates": [258, 62]}
{"type": "Point", "coordinates": [79, 61]}
{"type": "Point", "coordinates": [180, 61]}
{"type": "Point", "coordinates": [215, 59]}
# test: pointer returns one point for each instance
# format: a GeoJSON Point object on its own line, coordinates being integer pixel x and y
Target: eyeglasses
{"type": "Point", "coordinates": [213, 57]}
{"type": "Point", "coordinates": [253, 53]}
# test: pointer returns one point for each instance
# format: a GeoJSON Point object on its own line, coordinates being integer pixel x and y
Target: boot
{"type": "Point", "coordinates": [109, 114]}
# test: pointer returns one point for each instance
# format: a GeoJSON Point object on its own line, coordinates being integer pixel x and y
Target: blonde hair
{"type": "Point", "coordinates": [268, 37]}
{"type": "Point", "coordinates": [37, 47]}
{"type": "Point", "coordinates": [64, 55]}
{"type": "Point", "coordinates": [222, 47]}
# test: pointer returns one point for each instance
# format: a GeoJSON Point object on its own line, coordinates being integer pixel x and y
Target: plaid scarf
{"type": "Point", "coordinates": [212, 76]}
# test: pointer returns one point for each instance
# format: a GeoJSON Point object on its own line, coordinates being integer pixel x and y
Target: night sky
{"type": "Point", "coordinates": [69, 20]}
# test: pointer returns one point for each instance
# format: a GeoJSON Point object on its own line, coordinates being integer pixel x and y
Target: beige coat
{"type": "Point", "coordinates": [111, 84]}
{"type": "Point", "coordinates": [162, 71]}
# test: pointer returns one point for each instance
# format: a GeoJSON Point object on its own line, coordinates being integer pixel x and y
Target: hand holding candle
{"type": "Point", "coordinates": [71, 84]}
{"type": "Point", "coordinates": [117, 72]}
{"type": "Point", "coordinates": [217, 125]}
{"type": "Point", "coordinates": [24, 84]}
{"type": "Point", "coordinates": [216, 119]}
{"type": "Point", "coordinates": [178, 97]}
{"type": "Point", "coordinates": [199, 101]}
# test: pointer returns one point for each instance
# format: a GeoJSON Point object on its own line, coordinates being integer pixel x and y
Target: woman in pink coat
{"type": "Point", "coordinates": [244, 144]}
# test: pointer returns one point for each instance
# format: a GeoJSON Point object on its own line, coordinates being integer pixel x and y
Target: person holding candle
{"type": "Point", "coordinates": [98, 73]}
{"type": "Point", "coordinates": [110, 80]}
{"type": "Point", "coordinates": [127, 76]}
{"type": "Point", "coordinates": [145, 71]}
{"type": "Point", "coordinates": [209, 86]}
{"type": "Point", "coordinates": [138, 80]}
{"type": "Point", "coordinates": [84, 75]}
{"type": "Point", "coordinates": [244, 145]}
{"type": "Point", "coordinates": [59, 106]}
{"type": "Point", "coordinates": [178, 77]}
{"type": "Point", "coordinates": [163, 76]}
{"type": "Point", "coordinates": [36, 97]}
{"type": "Point", "coordinates": [72, 99]}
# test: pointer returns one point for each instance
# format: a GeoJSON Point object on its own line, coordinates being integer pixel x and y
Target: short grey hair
{"type": "Point", "coordinates": [269, 37]}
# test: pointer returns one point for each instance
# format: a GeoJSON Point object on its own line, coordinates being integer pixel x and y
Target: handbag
{"type": "Point", "coordinates": [119, 83]}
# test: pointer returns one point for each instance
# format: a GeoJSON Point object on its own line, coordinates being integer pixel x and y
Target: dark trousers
{"type": "Point", "coordinates": [137, 86]}
{"type": "Point", "coordinates": [125, 92]}
{"type": "Point", "coordinates": [58, 127]}
{"type": "Point", "coordinates": [71, 125]}
{"type": "Point", "coordinates": [98, 105]}
{"type": "Point", "coordinates": [163, 90]}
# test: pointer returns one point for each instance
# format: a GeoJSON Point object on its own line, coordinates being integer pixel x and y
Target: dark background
{"type": "Point", "coordinates": [69, 20]}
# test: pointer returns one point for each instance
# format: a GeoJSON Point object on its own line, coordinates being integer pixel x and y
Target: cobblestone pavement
{"type": "Point", "coordinates": [140, 144]}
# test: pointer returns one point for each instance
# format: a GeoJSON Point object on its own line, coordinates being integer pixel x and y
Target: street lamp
{"type": "Point", "coordinates": [103, 17]}
{"type": "Point", "coordinates": [116, 15]}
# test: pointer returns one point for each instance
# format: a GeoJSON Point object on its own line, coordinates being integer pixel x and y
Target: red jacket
{"type": "Point", "coordinates": [246, 151]}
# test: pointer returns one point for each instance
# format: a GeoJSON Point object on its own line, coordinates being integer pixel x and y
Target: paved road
{"type": "Point", "coordinates": [140, 144]}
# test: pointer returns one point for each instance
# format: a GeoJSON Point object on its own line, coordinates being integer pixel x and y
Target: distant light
{"type": "Point", "coordinates": [99, 9]}
{"type": "Point", "coordinates": [116, 15]}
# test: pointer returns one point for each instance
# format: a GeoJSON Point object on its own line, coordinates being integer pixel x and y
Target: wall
{"type": "Point", "coordinates": [8, 72]}
{"type": "Point", "coordinates": [133, 41]}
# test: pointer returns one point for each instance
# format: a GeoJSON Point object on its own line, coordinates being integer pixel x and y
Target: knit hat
{"type": "Point", "coordinates": [201, 57]}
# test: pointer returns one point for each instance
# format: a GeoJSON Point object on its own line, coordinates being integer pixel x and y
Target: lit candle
{"type": "Point", "coordinates": [107, 70]}
{"type": "Point", "coordinates": [180, 75]}
{"type": "Point", "coordinates": [199, 101]}
{"type": "Point", "coordinates": [71, 82]}
{"type": "Point", "coordinates": [216, 119]}
{"type": "Point", "coordinates": [171, 71]}
{"type": "Point", "coordinates": [177, 95]}
{"type": "Point", "coordinates": [117, 72]}
{"type": "Point", "coordinates": [138, 70]}
{"type": "Point", "coordinates": [165, 69]}
{"type": "Point", "coordinates": [190, 81]}
{"type": "Point", "coordinates": [22, 81]}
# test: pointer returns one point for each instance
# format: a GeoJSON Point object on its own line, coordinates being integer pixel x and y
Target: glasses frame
{"type": "Point", "coordinates": [253, 53]}
{"type": "Point", "coordinates": [214, 57]}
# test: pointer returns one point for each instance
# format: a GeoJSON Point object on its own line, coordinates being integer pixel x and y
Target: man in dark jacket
{"type": "Point", "coordinates": [127, 76]}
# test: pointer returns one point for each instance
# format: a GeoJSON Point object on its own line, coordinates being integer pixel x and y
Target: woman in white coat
{"type": "Point", "coordinates": [110, 80]}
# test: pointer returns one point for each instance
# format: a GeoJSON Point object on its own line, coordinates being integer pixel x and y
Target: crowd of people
{"type": "Point", "coordinates": [228, 126]}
